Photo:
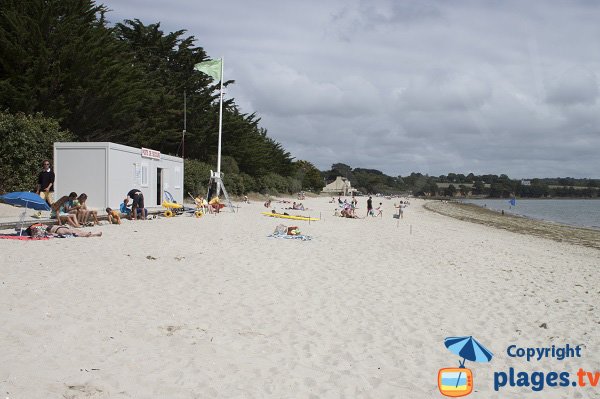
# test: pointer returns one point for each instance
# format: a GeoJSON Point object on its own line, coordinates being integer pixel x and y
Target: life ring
{"type": "Point", "coordinates": [199, 214]}
{"type": "Point", "coordinates": [168, 213]}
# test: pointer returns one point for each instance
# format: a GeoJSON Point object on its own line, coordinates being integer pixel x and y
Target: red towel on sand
{"type": "Point", "coordinates": [22, 238]}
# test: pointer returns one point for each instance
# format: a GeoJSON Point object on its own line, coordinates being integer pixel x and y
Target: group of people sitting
{"type": "Point", "coordinates": [348, 209]}
{"type": "Point", "coordinates": [297, 207]}
{"type": "Point", "coordinates": [72, 210]}
{"type": "Point", "coordinates": [212, 206]}
{"type": "Point", "coordinates": [353, 202]}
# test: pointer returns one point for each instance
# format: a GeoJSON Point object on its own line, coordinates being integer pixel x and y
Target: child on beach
{"type": "Point", "coordinates": [379, 210]}
{"type": "Point", "coordinates": [113, 216]}
{"type": "Point", "coordinates": [84, 212]}
{"type": "Point", "coordinates": [128, 212]}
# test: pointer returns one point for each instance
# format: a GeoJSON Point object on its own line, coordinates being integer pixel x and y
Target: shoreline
{"type": "Point", "coordinates": [473, 213]}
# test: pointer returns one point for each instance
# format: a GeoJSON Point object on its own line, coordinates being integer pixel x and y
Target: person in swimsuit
{"type": "Point", "coordinates": [63, 230]}
{"type": "Point", "coordinates": [60, 210]}
{"type": "Point", "coordinates": [84, 212]}
{"type": "Point", "coordinates": [113, 216]}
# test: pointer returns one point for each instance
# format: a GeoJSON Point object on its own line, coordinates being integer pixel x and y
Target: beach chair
{"type": "Point", "coordinates": [201, 206]}
{"type": "Point", "coordinates": [171, 206]}
{"type": "Point", "coordinates": [174, 208]}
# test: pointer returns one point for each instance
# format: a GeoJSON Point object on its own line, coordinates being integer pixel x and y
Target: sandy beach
{"type": "Point", "coordinates": [214, 308]}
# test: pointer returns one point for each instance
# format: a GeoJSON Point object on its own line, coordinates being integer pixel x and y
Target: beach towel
{"type": "Point", "coordinates": [290, 233]}
{"type": "Point", "coordinates": [21, 238]}
{"type": "Point", "coordinates": [291, 237]}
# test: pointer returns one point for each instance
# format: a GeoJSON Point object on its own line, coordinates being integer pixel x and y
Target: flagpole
{"type": "Point", "coordinates": [220, 120]}
{"type": "Point", "coordinates": [184, 125]}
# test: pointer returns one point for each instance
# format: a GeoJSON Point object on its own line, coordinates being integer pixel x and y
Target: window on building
{"type": "Point", "coordinates": [177, 177]}
{"type": "Point", "coordinates": [144, 175]}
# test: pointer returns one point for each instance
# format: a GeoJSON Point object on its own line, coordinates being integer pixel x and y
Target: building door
{"type": "Point", "coordinates": [159, 186]}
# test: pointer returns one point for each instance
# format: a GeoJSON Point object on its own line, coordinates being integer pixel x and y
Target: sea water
{"type": "Point", "coordinates": [574, 212]}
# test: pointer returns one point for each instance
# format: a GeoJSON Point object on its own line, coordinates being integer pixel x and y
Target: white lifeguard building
{"type": "Point", "coordinates": [107, 171]}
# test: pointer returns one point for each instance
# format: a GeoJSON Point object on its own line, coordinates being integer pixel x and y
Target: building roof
{"type": "Point", "coordinates": [340, 184]}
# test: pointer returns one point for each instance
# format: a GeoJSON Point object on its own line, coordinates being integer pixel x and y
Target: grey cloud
{"type": "Point", "coordinates": [289, 92]}
{"type": "Point", "coordinates": [368, 15]}
{"type": "Point", "coordinates": [575, 86]}
{"type": "Point", "coordinates": [443, 92]}
{"type": "Point", "coordinates": [429, 86]}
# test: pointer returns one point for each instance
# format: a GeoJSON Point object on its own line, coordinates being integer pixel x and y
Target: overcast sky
{"type": "Point", "coordinates": [401, 85]}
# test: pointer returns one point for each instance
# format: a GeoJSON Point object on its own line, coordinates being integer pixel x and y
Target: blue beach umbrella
{"type": "Point", "coordinates": [469, 349]}
{"type": "Point", "coordinates": [25, 199]}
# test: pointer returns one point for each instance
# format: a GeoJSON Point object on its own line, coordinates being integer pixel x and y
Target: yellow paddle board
{"type": "Point", "coordinates": [281, 215]}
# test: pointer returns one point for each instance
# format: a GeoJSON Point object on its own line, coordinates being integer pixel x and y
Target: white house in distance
{"type": "Point", "coordinates": [107, 171]}
{"type": "Point", "coordinates": [340, 186]}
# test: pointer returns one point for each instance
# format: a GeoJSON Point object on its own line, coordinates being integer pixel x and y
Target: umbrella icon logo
{"type": "Point", "coordinates": [458, 381]}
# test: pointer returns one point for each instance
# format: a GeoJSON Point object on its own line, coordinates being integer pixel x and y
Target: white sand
{"type": "Point", "coordinates": [361, 311]}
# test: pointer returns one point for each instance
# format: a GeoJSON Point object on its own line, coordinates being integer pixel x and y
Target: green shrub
{"type": "Point", "coordinates": [196, 176]}
{"type": "Point", "coordinates": [273, 184]}
{"type": "Point", "coordinates": [249, 183]}
{"type": "Point", "coordinates": [27, 140]}
{"type": "Point", "coordinates": [234, 184]}
{"type": "Point", "coordinates": [294, 185]}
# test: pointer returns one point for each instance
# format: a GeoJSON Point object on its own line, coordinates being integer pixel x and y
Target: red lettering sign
{"type": "Point", "coordinates": [148, 153]}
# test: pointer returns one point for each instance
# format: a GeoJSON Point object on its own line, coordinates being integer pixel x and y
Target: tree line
{"type": "Point", "coordinates": [371, 181]}
{"type": "Point", "coordinates": [63, 65]}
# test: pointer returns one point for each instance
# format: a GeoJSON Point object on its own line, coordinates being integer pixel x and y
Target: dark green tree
{"type": "Point", "coordinates": [309, 176]}
{"type": "Point", "coordinates": [450, 191]}
{"type": "Point", "coordinates": [59, 58]}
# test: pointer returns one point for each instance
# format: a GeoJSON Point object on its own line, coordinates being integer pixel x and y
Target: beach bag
{"type": "Point", "coordinates": [281, 230]}
{"type": "Point", "coordinates": [37, 230]}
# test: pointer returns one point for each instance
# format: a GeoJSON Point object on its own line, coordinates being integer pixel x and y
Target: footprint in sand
{"type": "Point", "coordinates": [170, 330]}
{"type": "Point", "coordinates": [82, 391]}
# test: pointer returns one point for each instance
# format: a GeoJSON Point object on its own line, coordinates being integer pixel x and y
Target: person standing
{"type": "Point", "coordinates": [369, 206]}
{"type": "Point", "coordinates": [45, 185]}
{"type": "Point", "coordinates": [401, 210]}
{"type": "Point", "coordinates": [137, 202]}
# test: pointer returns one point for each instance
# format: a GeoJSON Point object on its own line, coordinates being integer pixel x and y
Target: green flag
{"type": "Point", "coordinates": [211, 68]}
